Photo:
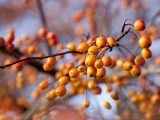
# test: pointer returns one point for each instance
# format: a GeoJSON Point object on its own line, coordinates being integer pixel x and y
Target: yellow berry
{"type": "Point", "coordinates": [91, 71]}
{"type": "Point", "coordinates": [73, 73]}
{"type": "Point", "coordinates": [90, 60]}
{"type": "Point", "coordinates": [107, 105]}
{"type": "Point", "coordinates": [85, 104]}
{"type": "Point", "coordinates": [144, 42]}
{"type": "Point", "coordinates": [63, 80]}
{"type": "Point", "coordinates": [111, 42]}
{"type": "Point", "coordinates": [93, 50]}
{"type": "Point", "coordinates": [44, 84]}
{"type": "Point", "coordinates": [98, 63]}
{"type": "Point", "coordinates": [101, 42]}
{"type": "Point", "coordinates": [107, 61]}
{"type": "Point", "coordinates": [146, 53]}
{"type": "Point", "coordinates": [127, 65]}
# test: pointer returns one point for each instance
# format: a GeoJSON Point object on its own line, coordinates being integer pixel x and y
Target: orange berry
{"type": "Point", "coordinates": [83, 47]}
{"type": "Point", "coordinates": [114, 95]}
{"type": "Point", "coordinates": [139, 61]}
{"type": "Point", "coordinates": [71, 46]}
{"type": "Point", "coordinates": [93, 50]}
{"type": "Point", "coordinates": [127, 65]}
{"type": "Point", "coordinates": [108, 88]}
{"type": "Point", "coordinates": [139, 25]}
{"type": "Point", "coordinates": [44, 84]}
{"type": "Point", "coordinates": [70, 65]}
{"type": "Point", "coordinates": [85, 104]}
{"type": "Point", "coordinates": [63, 80]}
{"type": "Point", "coordinates": [31, 49]}
{"type": "Point", "coordinates": [119, 63]}
{"type": "Point", "coordinates": [42, 32]}
{"type": "Point", "coordinates": [146, 53]}
{"type": "Point", "coordinates": [98, 63]}
{"type": "Point", "coordinates": [111, 42]}
{"type": "Point", "coordinates": [101, 72]}
{"type": "Point", "coordinates": [47, 67]}
{"type": "Point", "coordinates": [10, 37]}
{"type": "Point", "coordinates": [90, 60]}
{"type": "Point", "coordinates": [91, 71]}
{"type": "Point", "coordinates": [81, 68]}
{"type": "Point", "coordinates": [51, 95]}
{"type": "Point", "coordinates": [107, 105]}
{"type": "Point", "coordinates": [51, 61]}
{"type": "Point", "coordinates": [100, 42]}
{"type": "Point", "coordinates": [91, 84]}
{"type": "Point", "coordinates": [96, 90]}
{"type": "Point", "coordinates": [135, 71]}
{"type": "Point", "coordinates": [113, 64]}
{"type": "Point", "coordinates": [144, 42]}
{"type": "Point", "coordinates": [60, 91]}
{"type": "Point", "coordinates": [73, 73]}
{"type": "Point", "coordinates": [107, 61]}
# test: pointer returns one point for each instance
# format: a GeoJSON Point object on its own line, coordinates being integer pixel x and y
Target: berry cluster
{"type": "Point", "coordinates": [93, 63]}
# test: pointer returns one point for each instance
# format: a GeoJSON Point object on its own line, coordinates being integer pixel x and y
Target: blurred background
{"type": "Point", "coordinates": [68, 20]}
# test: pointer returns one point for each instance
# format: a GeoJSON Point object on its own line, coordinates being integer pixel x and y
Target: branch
{"type": "Point", "coordinates": [36, 58]}
{"type": "Point", "coordinates": [36, 64]}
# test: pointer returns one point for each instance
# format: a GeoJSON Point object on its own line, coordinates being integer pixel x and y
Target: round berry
{"type": "Point", "coordinates": [52, 61]}
{"type": "Point", "coordinates": [96, 90]}
{"type": "Point", "coordinates": [101, 42]}
{"type": "Point", "coordinates": [111, 42]}
{"type": "Point", "coordinates": [140, 61]}
{"type": "Point", "coordinates": [71, 46]}
{"type": "Point", "coordinates": [85, 104]}
{"type": "Point", "coordinates": [114, 95]}
{"type": "Point", "coordinates": [98, 63]}
{"type": "Point", "coordinates": [146, 53]}
{"type": "Point", "coordinates": [81, 68]}
{"type": "Point", "coordinates": [93, 50]}
{"type": "Point", "coordinates": [51, 95]}
{"type": "Point", "coordinates": [44, 84]}
{"type": "Point", "coordinates": [144, 42]}
{"type": "Point", "coordinates": [135, 71]}
{"type": "Point", "coordinates": [107, 61]}
{"type": "Point", "coordinates": [91, 71]}
{"type": "Point", "coordinates": [139, 25]}
{"type": "Point", "coordinates": [91, 84]}
{"type": "Point", "coordinates": [127, 65]}
{"type": "Point", "coordinates": [101, 72]}
{"type": "Point", "coordinates": [73, 73]}
{"type": "Point", "coordinates": [60, 91]}
{"type": "Point", "coordinates": [63, 80]}
{"type": "Point", "coordinates": [90, 60]}
{"type": "Point", "coordinates": [107, 105]}
{"type": "Point", "coordinates": [83, 47]}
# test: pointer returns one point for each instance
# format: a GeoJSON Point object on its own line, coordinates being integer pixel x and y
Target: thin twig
{"type": "Point", "coordinates": [40, 58]}
{"type": "Point", "coordinates": [127, 50]}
